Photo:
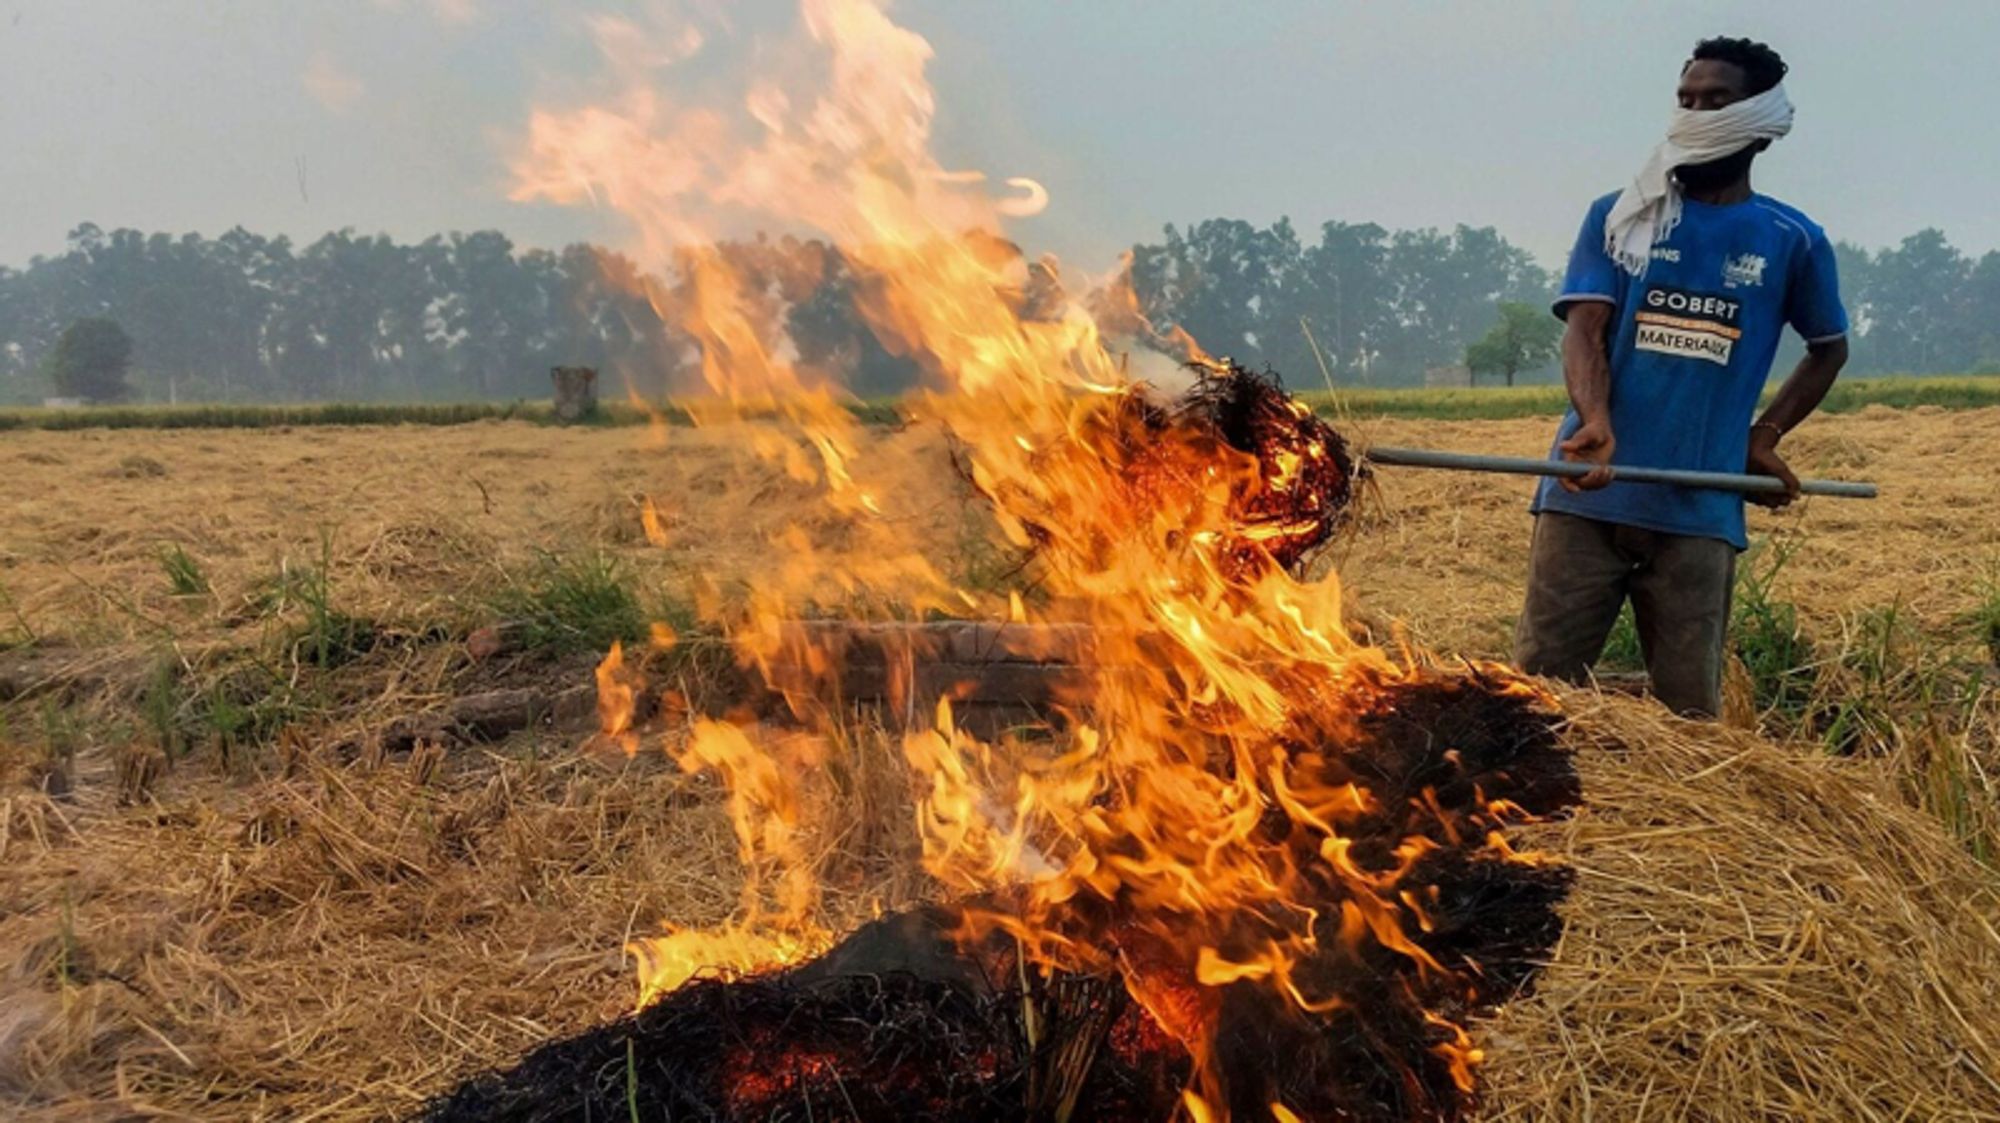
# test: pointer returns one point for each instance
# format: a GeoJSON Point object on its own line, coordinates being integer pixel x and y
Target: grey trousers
{"type": "Point", "coordinates": [1580, 571]}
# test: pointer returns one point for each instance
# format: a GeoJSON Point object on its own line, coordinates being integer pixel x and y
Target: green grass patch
{"type": "Point", "coordinates": [1503, 402]}
{"type": "Point", "coordinates": [575, 604]}
{"type": "Point", "coordinates": [1622, 651]}
{"type": "Point", "coordinates": [1765, 635]}
{"type": "Point", "coordinates": [244, 708]}
{"type": "Point", "coordinates": [1984, 619]}
{"type": "Point", "coordinates": [1496, 403]}
{"type": "Point", "coordinates": [1880, 675]}
{"type": "Point", "coordinates": [164, 705]}
{"type": "Point", "coordinates": [1489, 403]}
{"type": "Point", "coordinates": [1950, 393]}
{"type": "Point", "coordinates": [324, 636]}
{"type": "Point", "coordinates": [14, 629]}
{"type": "Point", "coordinates": [1881, 685]}
{"type": "Point", "coordinates": [62, 733]}
{"type": "Point", "coordinates": [184, 574]}
{"type": "Point", "coordinates": [231, 703]}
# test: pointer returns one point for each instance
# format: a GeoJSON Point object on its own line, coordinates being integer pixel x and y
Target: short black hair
{"type": "Point", "coordinates": [1762, 68]}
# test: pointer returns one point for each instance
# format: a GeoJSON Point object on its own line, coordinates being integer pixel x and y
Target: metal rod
{"type": "Point", "coordinates": [1521, 466]}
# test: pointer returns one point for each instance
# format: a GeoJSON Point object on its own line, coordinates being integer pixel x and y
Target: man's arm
{"type": "Point", "coordinates": [1586, 358]}
{"type": "Point", "coordinates": [1798, 397]}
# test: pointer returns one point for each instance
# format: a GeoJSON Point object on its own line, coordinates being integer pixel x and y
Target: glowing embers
{"type": "Point", "coordinates": [1305, 477]}
{"type": "Point", "coordinates": [1233, 469]}
{"type": "Point", "coordinates": [906, 1019]}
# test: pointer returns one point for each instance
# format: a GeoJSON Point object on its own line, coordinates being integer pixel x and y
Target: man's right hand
{"type": "Point", "coordinates": [1592, 442]}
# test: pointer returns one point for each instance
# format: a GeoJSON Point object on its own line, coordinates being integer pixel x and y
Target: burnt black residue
{"type": "Point", "coordinates": [1253, 414]}
{"type": "Point", "coordinates": [1296, 496]}
{"type": "Point", "coordinates": [899, 1023]}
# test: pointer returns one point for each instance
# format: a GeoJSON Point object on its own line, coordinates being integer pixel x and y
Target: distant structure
{"type": "Point", "coordinates": [576, 393]}
{"type": "Point", "coordinates": [1455, 376]}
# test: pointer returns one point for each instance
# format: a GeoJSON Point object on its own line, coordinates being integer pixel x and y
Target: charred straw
{"type": "Point", "coordinates": [900, 1021]}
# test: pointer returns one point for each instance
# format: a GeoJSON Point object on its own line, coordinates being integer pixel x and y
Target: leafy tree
{"type": "Point", "coordinates": [832, 338]}
{"type": "Point", "coordinates": [1348, 292]}
{"type": "Point", "coordinates": [1982, 301]}
{"type": "Point", "coordinates": [1219, 281]}
{"type": "Point", "coordinates": [1917, 313]}
{"type": "Point", "coordinates": [244, 317]}
{"type": "Point", "coordinates": [1376, 303]}
{"type": "Point", "coordinates": [603, 315]}
{"type": "Point", "coordinates": [1524, 338]}
{"type": "Point", "coordinates": [90, 360]}
{"type": "Point", "coordinates": [1445, 285]}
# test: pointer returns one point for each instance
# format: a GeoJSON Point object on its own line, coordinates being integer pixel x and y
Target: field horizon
{"type": "Point", "coordinates": [1493, 403]}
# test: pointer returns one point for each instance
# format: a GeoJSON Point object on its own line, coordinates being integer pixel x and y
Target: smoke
{"type": "Point", "coordinates": [330, 84]}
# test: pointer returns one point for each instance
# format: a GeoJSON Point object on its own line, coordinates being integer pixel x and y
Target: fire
{"type": "Point", "coordinates": [616, 696]}
{"type": "Point", "coordinates": [775, 923]}
{"type": "Point", "coordinates": [667, 961]}
{"type": "Point", "coordinates": [1193, 831]}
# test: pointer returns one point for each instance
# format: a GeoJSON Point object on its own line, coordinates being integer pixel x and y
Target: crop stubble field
{"type": "Point", "coordinates": [412, 512]}
{"type": "Point", "coordinates": [226, 925]}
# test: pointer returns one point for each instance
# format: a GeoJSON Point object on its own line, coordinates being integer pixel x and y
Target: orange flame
{"type": "Point", "coordinates": [1158, 798]}
{"type": "Point", "coordinates": [617, 696]}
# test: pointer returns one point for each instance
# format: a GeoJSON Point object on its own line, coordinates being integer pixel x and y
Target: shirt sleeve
{"type": "Point", "coordinates": [1591, 275]}
{"type": "Point", "coordinates": [1812, 301]}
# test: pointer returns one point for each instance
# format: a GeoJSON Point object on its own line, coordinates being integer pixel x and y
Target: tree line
{"type": "Point", "coordinates": [1374, 306]}
{"type": "Point", "coordinates": [1385, 306]}
{"type": "Point", "coordinates": [244, 317]}
{"type": "Point", "coordinates": [350, 317]}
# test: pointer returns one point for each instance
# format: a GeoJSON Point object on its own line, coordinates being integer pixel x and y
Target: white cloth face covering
{"type": "Point", "coordinates": [1649, 208]}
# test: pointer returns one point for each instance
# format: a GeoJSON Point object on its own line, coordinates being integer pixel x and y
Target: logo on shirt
{"type": "Point", "coordinates": [1742, 271]}
{"type": "Point", "coordinates": [1688, 325]}
{"type": "Point", "coordinates": [1666, 253]}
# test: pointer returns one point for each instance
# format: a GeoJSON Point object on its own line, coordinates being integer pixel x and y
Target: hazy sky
{"type": "Point", "coordinates": [300, 116]}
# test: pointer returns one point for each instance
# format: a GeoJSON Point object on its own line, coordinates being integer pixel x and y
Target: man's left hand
{"type": "Point", "coordinates": [1765, 461]}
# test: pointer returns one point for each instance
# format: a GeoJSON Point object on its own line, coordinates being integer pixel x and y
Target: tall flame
{"type": "Point", "coordinates": [1157, 805]}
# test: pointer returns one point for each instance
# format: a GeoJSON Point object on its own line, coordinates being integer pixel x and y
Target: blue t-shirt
{"type": "Point", "coordinates": [1691, 345]}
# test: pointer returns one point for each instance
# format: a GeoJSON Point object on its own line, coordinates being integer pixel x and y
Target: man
{"type": "Point", "coordinates": [1677, 293]}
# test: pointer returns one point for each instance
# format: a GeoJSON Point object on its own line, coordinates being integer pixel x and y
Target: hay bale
{"type": "Point", "coordinates": [1755, 932]}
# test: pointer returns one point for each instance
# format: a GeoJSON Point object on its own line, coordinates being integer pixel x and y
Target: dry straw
{"type": "Point", "coordinates": [1755, 933]}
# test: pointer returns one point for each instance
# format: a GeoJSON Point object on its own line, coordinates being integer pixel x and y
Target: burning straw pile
{"type": "Point", "coordinates": [901, 1022]}
{"type": "Point", "coordinates": [1252, 838]}
{"type": "Point", "coordinates": [1290, 474]}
